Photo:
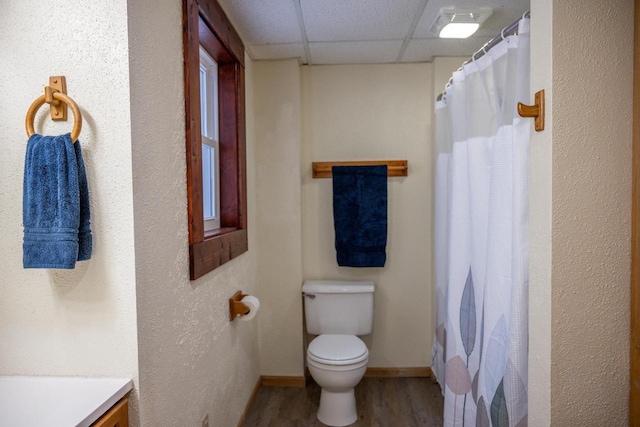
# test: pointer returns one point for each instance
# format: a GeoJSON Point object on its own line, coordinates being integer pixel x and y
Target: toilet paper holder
{"type": "Point", "coordinates": [236, 306]}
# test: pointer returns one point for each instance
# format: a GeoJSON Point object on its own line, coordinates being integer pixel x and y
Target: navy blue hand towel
{"type": "Point", "coordinates": [55, 206]}
{"type": "Point", "coordinates": [360, 215]}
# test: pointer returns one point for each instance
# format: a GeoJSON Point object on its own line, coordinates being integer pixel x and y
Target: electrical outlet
{"type": "Point", "coordinates": [205, 421]}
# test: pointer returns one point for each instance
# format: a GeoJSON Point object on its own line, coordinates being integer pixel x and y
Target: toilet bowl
{"type": "Point", "coordinates": [337, 363]}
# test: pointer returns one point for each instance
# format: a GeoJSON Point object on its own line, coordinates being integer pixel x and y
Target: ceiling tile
{"type": "Point", "coordinates": [277, 51]}
{"type": "Point", "coordinates": [263, 22]}
{"type": "Point", "coordinates": [420, 50]}
{"type": "Point", "coordinates": [350, 20]}
{"type": "Point", "coordinates": [357, 52]}
{"type": "Point", "coordinates": [505, 12]}
{"type": "Point", "coordinates": [368, 31]}
{"type": "Point", "coordinates": [499, 19]}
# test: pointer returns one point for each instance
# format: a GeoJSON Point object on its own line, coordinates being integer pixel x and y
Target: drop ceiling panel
{"type": "Point", "coordinates": [277, 51]}
{"type": "Point", "coordinates": [359, 31]}
{"type": "Point", "coordinates": [357, 52]}
{"type": "Point", "coordinates": [421, 50]}
{"type": "Point", "coordinates": [500, 19]}
{"type": "Point", "coordinates": [263, 22]}
{"type": "Point", "coordinates": [505, 12]}
{"type": "Point", "coordinates": [350, 20]}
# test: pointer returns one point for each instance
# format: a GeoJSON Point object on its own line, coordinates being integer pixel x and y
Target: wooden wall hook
{"type": "Point", "coordinates": [236, 306]}
{"type": "Point", "coordinates": [57, 109]}
{"type": "Point", "coordinates": [536, 110]}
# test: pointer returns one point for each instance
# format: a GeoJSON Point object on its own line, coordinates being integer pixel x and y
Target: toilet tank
{"type": "Point", "coordinates": [338, 307]}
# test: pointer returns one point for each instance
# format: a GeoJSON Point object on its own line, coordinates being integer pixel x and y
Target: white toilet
{"type": "Point", "coordinates": [337, 311]}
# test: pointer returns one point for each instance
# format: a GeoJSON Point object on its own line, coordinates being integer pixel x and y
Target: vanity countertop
{"type": "Point", "coordinates": [58, 401]}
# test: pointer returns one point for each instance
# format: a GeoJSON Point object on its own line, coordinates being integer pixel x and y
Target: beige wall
{"type": "Point", "coordinates": [82, 321]}
{"type": "Point", "coordinates": [581, 212]}
{"type": "Point", "coordinates": [443, 67]}
{"type": "Point", "coordinates": [277, 168]}
{"type": "Point", "coordinates": [193, 360]}
{"type": "Point", "coordinates": [365, 112]}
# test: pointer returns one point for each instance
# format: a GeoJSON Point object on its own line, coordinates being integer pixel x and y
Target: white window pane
{"type": "Point", "coordinates": [209, 94]}
{"type": "Point", "coordinates": [204, 111]}
{"type": "Point", "coordinates": [213, 72]}
{"type": "Point", "coordinates": [208, 195]}
{"type": "Point", "coordinates": [209, 130]}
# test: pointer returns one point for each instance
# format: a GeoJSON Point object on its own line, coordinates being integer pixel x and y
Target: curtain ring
{"type": "Point", "coordinates": [524, 15]}
{"type": "Point", "coordinates": [473, 57]}
{"type": "Point", "coordinates": [502, 33]}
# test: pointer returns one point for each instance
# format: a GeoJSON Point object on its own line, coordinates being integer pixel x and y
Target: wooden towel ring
{"type": "Point", "coordinates": [33, 109]}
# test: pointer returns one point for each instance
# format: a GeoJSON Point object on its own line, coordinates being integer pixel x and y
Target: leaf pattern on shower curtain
{"type": "Point", "coordinates": [441, 302]}
{"type": "Point", "coordinates": [468, 325]}
{"type": "Point", "coordinates": [474, 386]}
{"type": "Point", "coordinates": [523, 422]}
{"type": "Point", "coordinates": [440, 334]}
{"type": "Point", "coordinates": [444, 347]}
{"type": "Point", "coordinates": [457, 376]}
{"type": "Point", "coordinates": [516, 391]}
{"type": "Point", "coordinates": [482, 419]}
{"type": "Point", "coordinates": [449, 346]}
{"type": "Point", "coordinates": [476, 377]}
{"type": "Point", "coordinates": [499, 414]}
{"type": "Point", "coordinates": [496, 358]}
{"type": "Point", "coordinates": [481, 334]}
{"type": "Point", "coordinates": [468, 316]}
{"type": "Point", "coordinates": [441, 337]}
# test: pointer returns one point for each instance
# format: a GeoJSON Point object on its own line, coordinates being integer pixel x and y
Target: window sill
{"type": "Point", "coordinates": [219, 247]}
{"type": "Point", "coordinates": [218, 232]}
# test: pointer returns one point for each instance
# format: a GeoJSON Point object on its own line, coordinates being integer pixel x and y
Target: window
{"type": "Point", "coordinates": [215, 137]}
{"type": "Point", "coordinates": [209, 135]}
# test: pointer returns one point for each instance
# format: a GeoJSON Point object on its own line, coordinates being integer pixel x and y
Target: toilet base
{"type": "Point", "coordinates": [337, 408]}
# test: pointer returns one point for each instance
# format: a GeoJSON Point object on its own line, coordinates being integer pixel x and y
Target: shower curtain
{"type": "Point", "coordinates": [480, 350]}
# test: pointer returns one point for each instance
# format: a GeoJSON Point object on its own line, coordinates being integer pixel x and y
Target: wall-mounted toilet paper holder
{"type": "Point", "coordinates": [236, 306]}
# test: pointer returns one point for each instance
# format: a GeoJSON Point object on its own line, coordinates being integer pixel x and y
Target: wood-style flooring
{"type": "Point", "coordinates": [381, 402]}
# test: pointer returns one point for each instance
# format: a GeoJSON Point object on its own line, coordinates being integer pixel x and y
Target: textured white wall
{"type": "Point", "coordinates": [193, 360]}
{"type": "Point", "coordinates": [368, 112]}
{"type": "Point", "coordinates": [540, 219]}
{"type": "Point", "coordinates": [581, 214]}
{"type": "Point", "coordinates": [591, 214]}
{"type": "Point", "coordinates": [82, 321]}
{"type": "Point", "coordinates": [278, 134]}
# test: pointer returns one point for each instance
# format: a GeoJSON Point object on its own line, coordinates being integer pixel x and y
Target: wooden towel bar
{"type": "Point", "coordinates": [394, 167]}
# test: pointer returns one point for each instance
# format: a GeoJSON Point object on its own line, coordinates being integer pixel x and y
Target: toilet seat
{"type": "Point", "coordinates": [337, 350]}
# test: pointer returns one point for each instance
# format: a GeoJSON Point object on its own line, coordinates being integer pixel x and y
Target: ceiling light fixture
{"type": "Point", "coordinates": [458, 23]}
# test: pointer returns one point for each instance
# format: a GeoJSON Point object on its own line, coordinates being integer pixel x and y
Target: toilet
{"type": "Point", "coordinates": [337, 312]}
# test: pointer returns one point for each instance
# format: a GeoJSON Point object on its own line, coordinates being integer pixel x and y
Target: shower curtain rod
{"type": "Point", "coordinates": [507, 31]}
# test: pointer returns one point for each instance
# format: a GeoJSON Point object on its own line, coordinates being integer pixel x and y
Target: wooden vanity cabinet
{"type": "Point", "coordinates": [117, 416]}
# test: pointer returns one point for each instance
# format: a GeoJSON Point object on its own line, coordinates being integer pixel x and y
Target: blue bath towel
{"type": "Point", "coordinates": [55, 206]}
{"type": "Point", "coordinates": [360, 215]}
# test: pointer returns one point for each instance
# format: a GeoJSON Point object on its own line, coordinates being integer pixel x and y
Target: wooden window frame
{"type": "Point", "coordinates": [205, 23]}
